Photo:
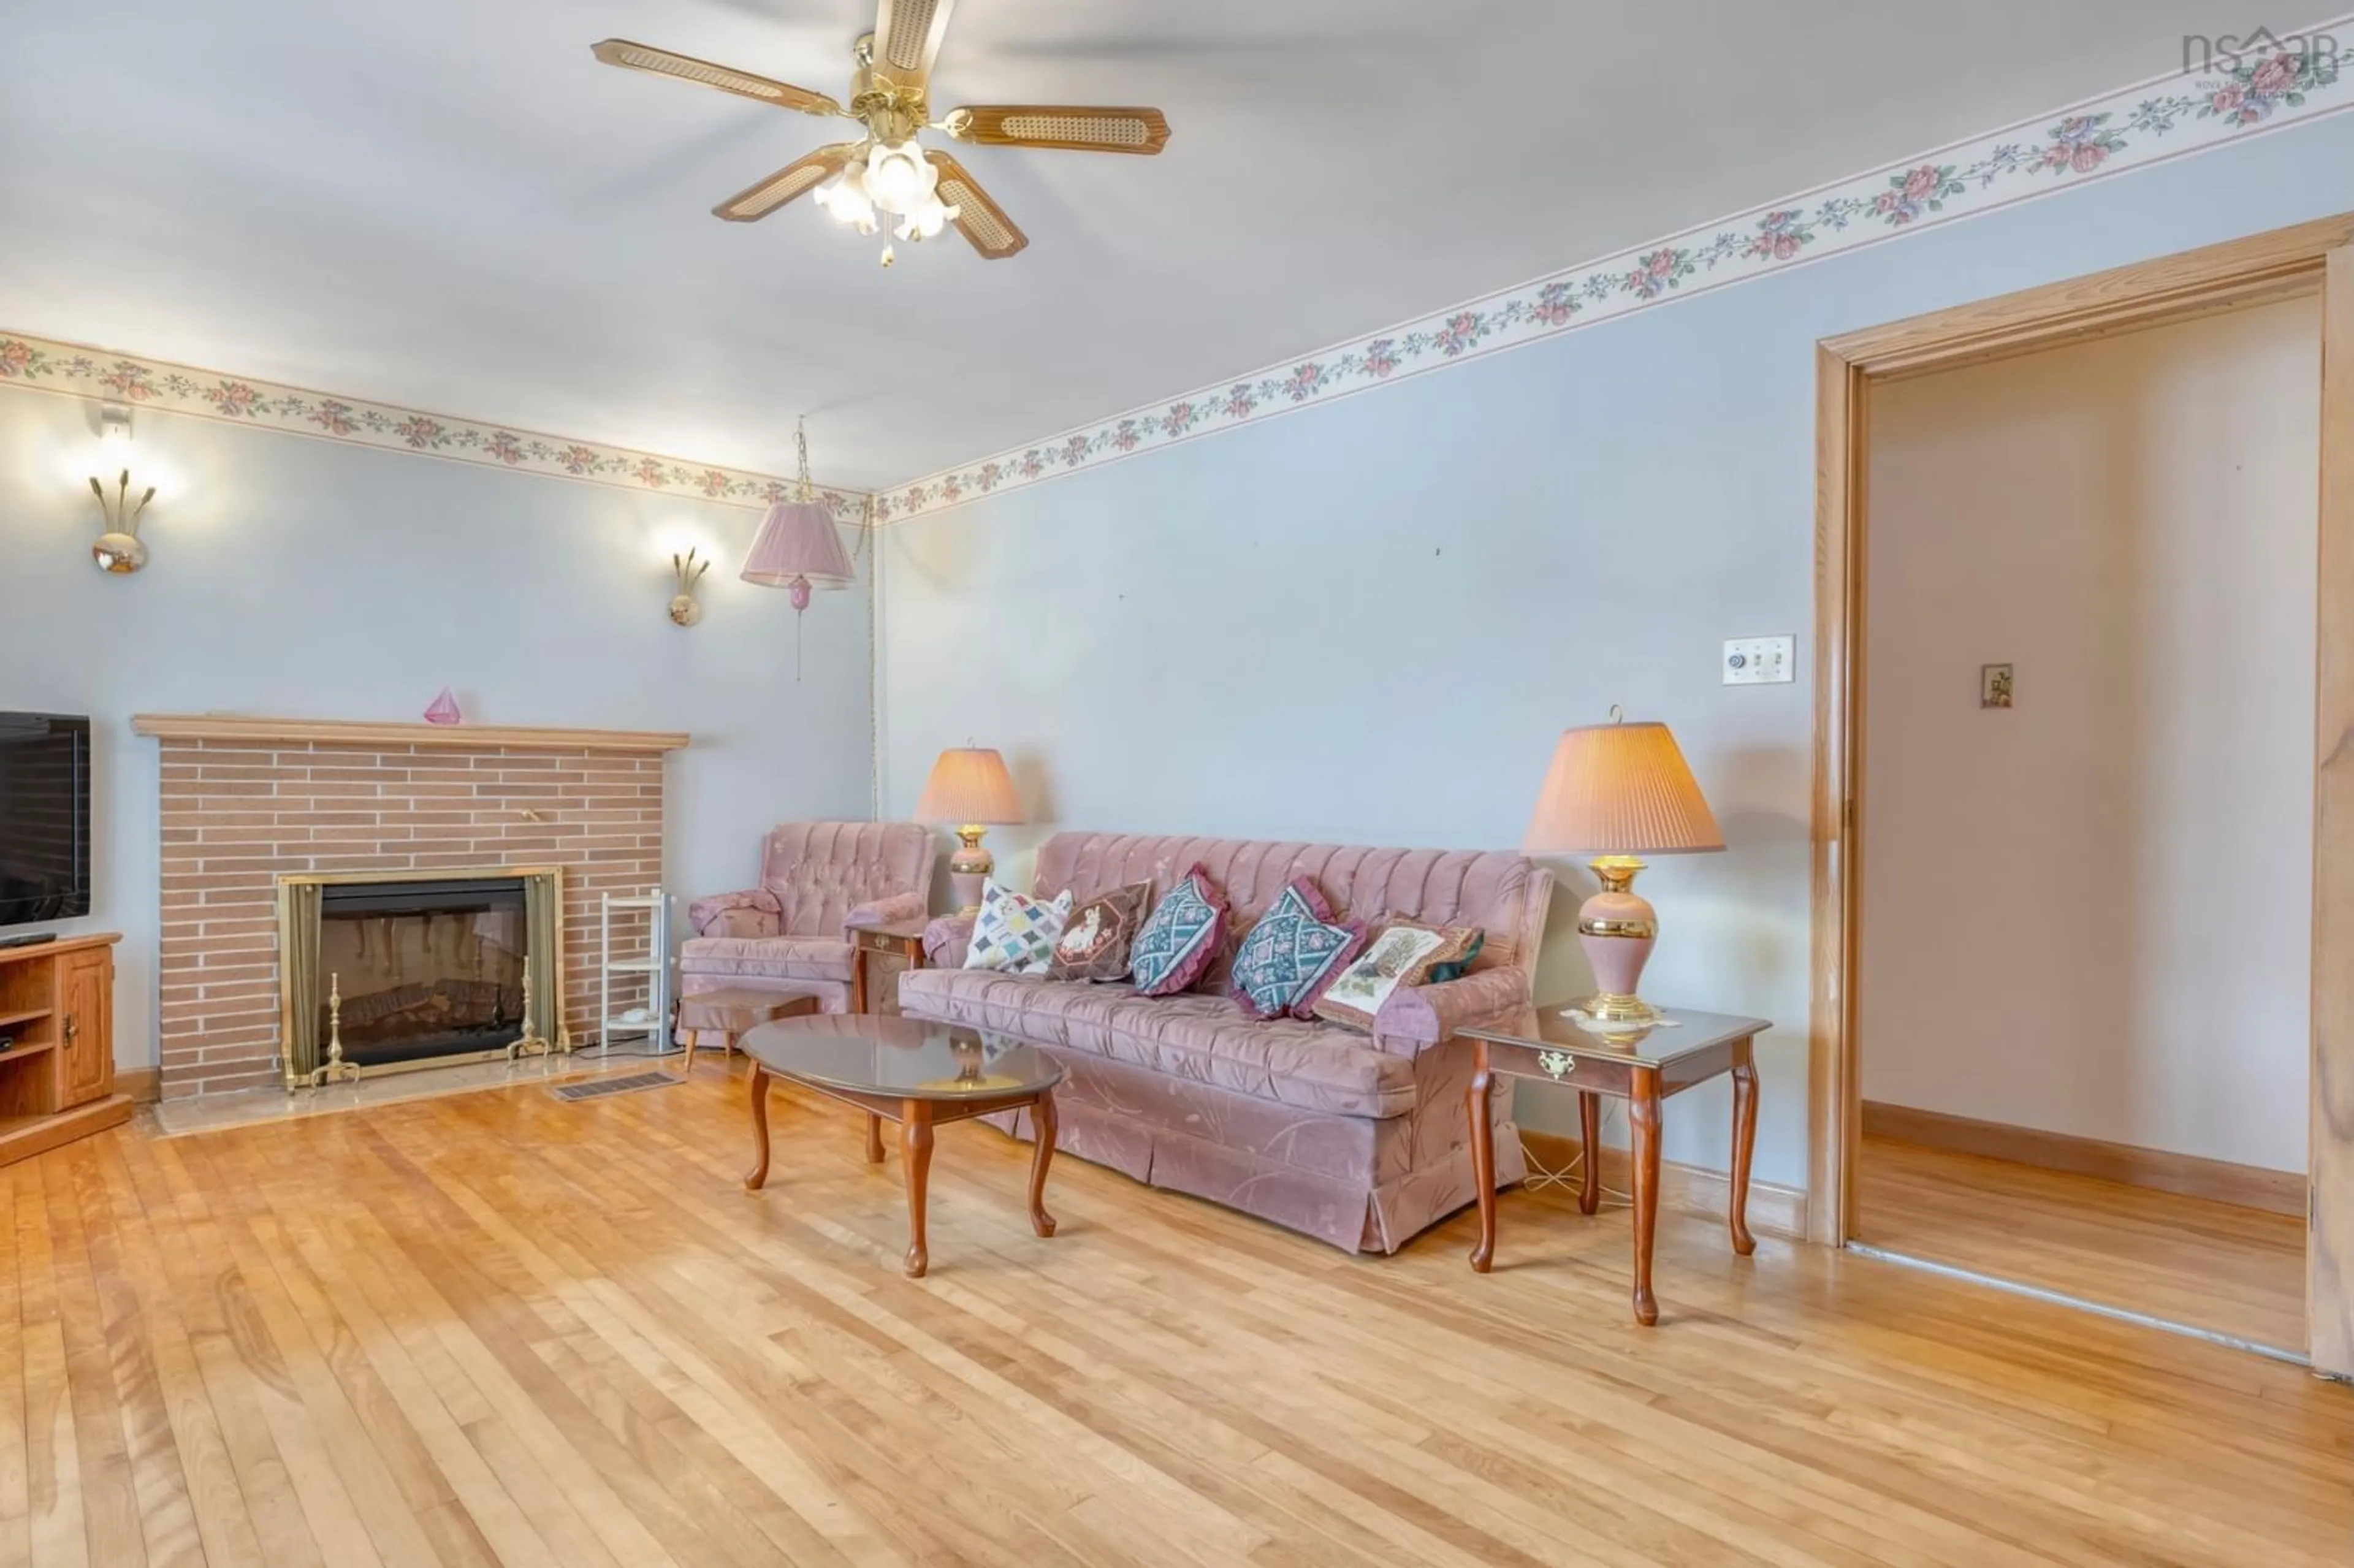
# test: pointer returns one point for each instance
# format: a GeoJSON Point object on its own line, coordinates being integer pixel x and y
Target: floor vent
{"type": "Point", "coordinates": [597, 1089]}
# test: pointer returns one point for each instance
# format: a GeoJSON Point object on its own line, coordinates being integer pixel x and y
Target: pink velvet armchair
{"type": "Point", "coordinates": [791, 932]}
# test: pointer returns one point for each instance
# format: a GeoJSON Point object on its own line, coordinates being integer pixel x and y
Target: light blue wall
{"type": "Point", "coordinates": [1366, 621]}
{"type": "Point", "coordinates": [306, 578]}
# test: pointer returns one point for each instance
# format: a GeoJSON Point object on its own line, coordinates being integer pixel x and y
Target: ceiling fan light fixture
{"type": "Point", "coordinates": [885, 179]}
{"type": "Point", "coordinates": [845, 199]}
{"type": "Point", "coordinates": [899, 177]}
{"type": "Point", "coordinates": [927, 221]}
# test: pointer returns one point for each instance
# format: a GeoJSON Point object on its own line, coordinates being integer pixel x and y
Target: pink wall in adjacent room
{"type": "Point", "coordinates": [2090, 913]}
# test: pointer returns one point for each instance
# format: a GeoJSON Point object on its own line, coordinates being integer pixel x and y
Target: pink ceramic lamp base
{"type": "Point", "coordinates": [1617, 928]}
{"type": "Point", "coordinates": [969, 870]}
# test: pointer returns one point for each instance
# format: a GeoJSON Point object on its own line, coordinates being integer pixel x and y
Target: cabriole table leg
{"type": "Point", "coordinates": [1483, 1154]}
{"type": "Point", "coordinates": [916, 1153]}
{"type": "Point", "coordinates": [758, 1089]}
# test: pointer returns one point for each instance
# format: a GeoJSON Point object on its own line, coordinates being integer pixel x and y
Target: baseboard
{"type": "Point", "coordinates": [1686, 1188]}
{"type": "Point", "coordinates": [2249, 1186]}
{"type": "Point", "coordinates": [144, 1085]}
{"type": "Point", "coordinates": [40, 1134]}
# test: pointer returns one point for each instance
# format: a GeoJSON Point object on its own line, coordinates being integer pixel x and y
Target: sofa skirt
{"type": "Point", "coordinates": [1360, 1184]}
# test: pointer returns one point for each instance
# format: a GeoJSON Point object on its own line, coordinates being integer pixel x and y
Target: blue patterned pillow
{"type": "Point", "coordinates": [1180, 937]}
{"type": "Point", "coordinates": [1294, 946]}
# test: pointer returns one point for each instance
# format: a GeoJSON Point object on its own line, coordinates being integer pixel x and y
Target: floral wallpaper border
{"type": "Point", "coordinates": [2163, 119]}
{"type": "Point", "coordinates": [40, 364]}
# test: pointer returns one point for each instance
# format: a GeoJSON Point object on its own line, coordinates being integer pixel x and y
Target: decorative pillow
{"type": "Point", "coordinates": [1180, 937]}
{"type": "Point", "coordinates": [1294, 944]}
{"type": "Point", "coordinates": [1096, 939]}
{"type": "Point", "coordinates": [1441, 973]}
{"type": "Point", "coordinates": [1401, 953]}
{"type": "Point", "coordinates": [1015, 934]}
{"type": "Point", "coordinates": [1303, 1006]}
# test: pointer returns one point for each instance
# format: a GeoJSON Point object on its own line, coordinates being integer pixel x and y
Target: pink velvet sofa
{"type": "Point", "coordinates": [1358, 1140]}
{"type": "Point", "coordinates": [791, 933]}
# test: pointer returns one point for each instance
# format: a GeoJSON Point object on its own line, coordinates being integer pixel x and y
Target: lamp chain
{"type": "Point", "coordinates": [865, 550]}
{"type": "Point", "coordinates": [874, 669]}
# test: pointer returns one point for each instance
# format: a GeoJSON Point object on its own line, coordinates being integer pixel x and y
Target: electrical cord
{"type": "Point", "coordinates": [1569, 1175]}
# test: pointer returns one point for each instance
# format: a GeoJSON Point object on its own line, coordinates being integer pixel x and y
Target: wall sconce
{"type": "Point", "coordinates": [118, 550]}
{"type": "Point", "coordinates": [684, 609]}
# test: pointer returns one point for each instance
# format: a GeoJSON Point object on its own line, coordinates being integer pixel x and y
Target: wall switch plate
{"type": "Point", "coordinates": [1757, 660]}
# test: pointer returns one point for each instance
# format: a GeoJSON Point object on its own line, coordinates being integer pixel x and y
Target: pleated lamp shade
{"type": "Point", "coordinates": [800, 548]}
{"type": "Point", "coordinates": [1623, 790]}
{"type": "Point", "coordinates": [969, 784]}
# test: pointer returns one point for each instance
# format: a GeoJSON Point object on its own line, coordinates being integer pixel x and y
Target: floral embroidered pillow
{"type": "Point", "coordinates": [1180, 937]}
{"type": "Point", "coordinates": [1096, 939]}
{"type": "Point", "coordinates": [1404, 952]}
{"type": "Point", "coordinates": [1294, 946]}
{"type": "Point", "coordinates": [1015, 934]}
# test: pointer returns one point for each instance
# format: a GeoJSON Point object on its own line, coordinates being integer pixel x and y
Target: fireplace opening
{"type": "Point", "coordinates": [424, 968]}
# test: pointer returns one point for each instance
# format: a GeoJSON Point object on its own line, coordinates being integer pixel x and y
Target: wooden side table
{"type": "Point", "coordinates": [880, 954]}
{"type": "Point", "coordinates": [1641, 1066]}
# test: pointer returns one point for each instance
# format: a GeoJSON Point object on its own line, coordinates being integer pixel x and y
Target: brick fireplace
{"type": "Point", "coordinates": [246, 801]}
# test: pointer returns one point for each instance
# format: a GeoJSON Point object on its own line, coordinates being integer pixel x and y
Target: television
{"type": "Point", "coordinates": [44, 817]}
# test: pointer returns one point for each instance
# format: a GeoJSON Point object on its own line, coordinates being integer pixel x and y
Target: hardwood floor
{"type": "Point", "coordinates": [495, 1328]}
{"type": "Point", "coordinates": [2211, 1265]}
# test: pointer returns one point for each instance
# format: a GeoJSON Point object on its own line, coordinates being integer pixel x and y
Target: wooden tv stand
{"type": "Point", "coordinates": [57, 1075]}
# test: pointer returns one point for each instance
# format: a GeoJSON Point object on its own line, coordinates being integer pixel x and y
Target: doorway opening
{"type": "Point", "coordinates": [2083, 985]}
{"type": "Point", "coordinates": [2084, 828]}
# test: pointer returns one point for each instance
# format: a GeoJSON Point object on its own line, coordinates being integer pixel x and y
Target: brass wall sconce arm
{"type": "Point", "coordinates": [685, 609]}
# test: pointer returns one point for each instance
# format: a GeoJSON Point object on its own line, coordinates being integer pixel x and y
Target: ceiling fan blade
{"type": "Point", "coordinates": [979, 218]}
{"type": "Point", "coordinates": [907, 35]}
{"type": "Point", "coordinates": [686, 67]}
{"type": "Point", "coordinates": [1077, 127]}
{"type": "Point", "coordinates": [797, 178]}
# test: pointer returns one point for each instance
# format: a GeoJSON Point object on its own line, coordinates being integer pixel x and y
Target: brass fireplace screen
{"type": "Point", "coordinates": [418, 968]}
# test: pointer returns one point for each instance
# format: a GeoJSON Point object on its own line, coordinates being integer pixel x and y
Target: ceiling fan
{"type": "Point", "coordinates": [887, 172]}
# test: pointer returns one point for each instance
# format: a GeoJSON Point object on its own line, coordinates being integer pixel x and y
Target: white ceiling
{"type": "Point", "coordinates": [449, 204]}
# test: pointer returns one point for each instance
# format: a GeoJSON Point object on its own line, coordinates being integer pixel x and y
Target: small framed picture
{"type": "Point", "coordinates": [1994, 685]}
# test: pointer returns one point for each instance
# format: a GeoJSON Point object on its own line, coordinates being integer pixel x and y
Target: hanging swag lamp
{"type": "Point", "coordinates": [800, 548]}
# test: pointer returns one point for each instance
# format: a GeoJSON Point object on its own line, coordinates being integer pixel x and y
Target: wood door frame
{"type": "Point", "coordinates": [2308, 259]}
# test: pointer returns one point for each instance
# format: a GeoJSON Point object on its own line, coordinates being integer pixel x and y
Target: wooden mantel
{"type": "Point", "coordinates": [346, 732]}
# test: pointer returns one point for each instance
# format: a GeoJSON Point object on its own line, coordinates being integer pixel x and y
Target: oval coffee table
{"type": "Point", "coordinates": [915, 1073]}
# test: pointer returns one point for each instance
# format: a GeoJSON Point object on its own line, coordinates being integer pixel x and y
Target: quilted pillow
{"type": "Point", "coordinates": [1097, 938]}
{"type": "Point", "coordinates": [1404, 952]}
{"type": "Point", "coordinates": [1015, 934]}
{"type": "Point", "coordinates": [1295, 945]}
{"type": "Point", "coordinates": [1180, 937]}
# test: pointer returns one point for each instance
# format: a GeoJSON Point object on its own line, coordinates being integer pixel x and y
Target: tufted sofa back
{"type": "Point", "coordinates": [1505, 894]}
{"type": "Point", "coordinates": [821, 871]}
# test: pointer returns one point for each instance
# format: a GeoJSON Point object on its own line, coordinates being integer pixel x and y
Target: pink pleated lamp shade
{"type": "Point", "coordinates": [969, 784]}
{"type": "Point", "coordinates": [799, 547]}
{"type": "Point", "coordinates": [1621, 789]}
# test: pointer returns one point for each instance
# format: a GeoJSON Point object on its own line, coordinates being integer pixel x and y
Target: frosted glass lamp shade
{"type": "Point", "coordinates": [1621, 789]}
{"type": "Point", "coordinates": [799, 547]}
{"type": "Point", "coordinates": [969, 784]}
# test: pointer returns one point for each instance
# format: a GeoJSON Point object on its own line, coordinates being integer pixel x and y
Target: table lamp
{"type": "Point", "coordinates": [970, 789]}
{"type": "Point", "coordinates": [1619, 791]}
